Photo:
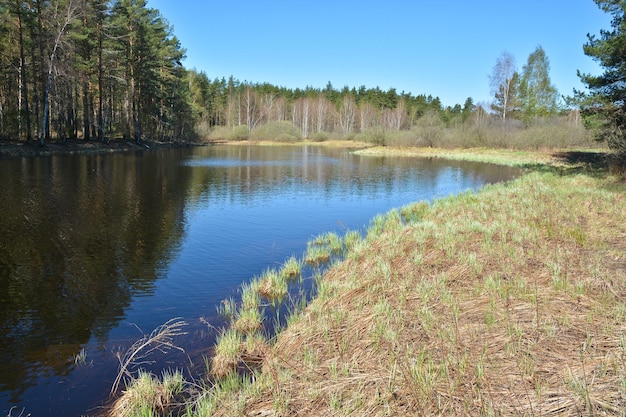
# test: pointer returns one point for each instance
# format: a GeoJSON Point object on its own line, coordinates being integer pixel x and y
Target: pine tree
{"type": "Point", "coordinates": [604, 107]}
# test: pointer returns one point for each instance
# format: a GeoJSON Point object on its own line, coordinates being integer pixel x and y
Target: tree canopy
{"type": "Point", "coordinates": [89, 68]}
{"type": "Point", "coordinates": [604, 106]}
{"type": "Point", "coordinates": [537, 96]}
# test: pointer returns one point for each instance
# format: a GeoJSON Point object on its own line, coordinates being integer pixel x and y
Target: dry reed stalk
{"type": "Point", "coordinates": [160, 339]}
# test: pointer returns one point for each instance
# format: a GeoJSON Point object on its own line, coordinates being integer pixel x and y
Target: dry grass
{"type": "Point", "coordinates": [505, 302]}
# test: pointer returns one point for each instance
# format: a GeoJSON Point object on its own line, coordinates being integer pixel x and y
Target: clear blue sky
{"type": "Point", "coordinates": [443, 48]}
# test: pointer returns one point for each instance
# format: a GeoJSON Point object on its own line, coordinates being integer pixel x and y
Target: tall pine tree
{"type": "Point", "coordinates": [604, 106]}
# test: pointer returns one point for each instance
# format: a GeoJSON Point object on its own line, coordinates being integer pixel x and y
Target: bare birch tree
{"type": "Point", "coordinates": [64, 21]}
{"type": "Point", "coordinates": [280, 109]}
{"type": "Point", "coordinates": [268, 106]}
{"type": "Point", "coordinates": [502, 81]}
{"type": "Point", "coordinates": [367, 116]}
{"type": "Point", "coordinates": [395, 118]}
{"type": "Point", "coordinates": [306, 105]}
{"type": "Point", "coordinates": [322, 105]}
{"type": "Point", "coordinates": [253, 113]}
{"type": "Point", "coordinates": [347, 115]}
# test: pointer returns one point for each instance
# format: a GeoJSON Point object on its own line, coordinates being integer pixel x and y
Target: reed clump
{"type": "Point", "coordinates": [273, 286]}
{"type": "Point", "coordinates": [321, 249]}
{"type": "Point", "coordinates": [292, 269]}
{"type": "Point", "coordinates": [148, 395]}
{"type": "Point", "coordinates": [242, 344]}
{"type": "Point", "coordinates": [508, 301]}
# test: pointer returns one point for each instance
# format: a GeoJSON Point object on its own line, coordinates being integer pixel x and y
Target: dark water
{"type": "Point", "coordinates": [94, 248]}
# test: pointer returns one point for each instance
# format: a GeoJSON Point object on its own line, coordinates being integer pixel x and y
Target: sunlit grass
{"type": "Point", "coordinates": [351, 239]}
{"type": "Point", "coordinates": [317, 254]}
{"type": "Point", "coordinates": [227, 352]}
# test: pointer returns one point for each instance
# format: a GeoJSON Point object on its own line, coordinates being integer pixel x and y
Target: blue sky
{"type": "Point", "coordinates": [443, 48]}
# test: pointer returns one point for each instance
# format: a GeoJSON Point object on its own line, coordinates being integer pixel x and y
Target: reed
{"type": "Point", "coordinates": [228, 351]}
{"type": "Point", "coordinates": [273, 286]}
{"type": "Point", "coordinates": [292, 269]}
{"type": "Point", "coordinates": [160, 340]}
{"type": "Point", "coordinates": [248, 320]}
{"type": "Point", "coordinates": [351, 240]}
{"type": "Point", "coordinates": [317, 254]}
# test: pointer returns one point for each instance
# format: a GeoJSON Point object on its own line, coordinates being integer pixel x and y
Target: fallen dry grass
{"type": "Point", "coordinates": [510, 301]}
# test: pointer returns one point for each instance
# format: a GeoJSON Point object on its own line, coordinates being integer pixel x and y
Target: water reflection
{"type": "Point", "coordinates": [80, 236]}
{"type": "Point", "coordinates": [91, 243]}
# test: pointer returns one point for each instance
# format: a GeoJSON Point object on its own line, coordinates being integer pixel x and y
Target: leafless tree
{"type": "Point", "coordinates": [253, 113]}
{"type": "Point", "coordinates": [322, 105]}
{"type": "Point", "coordinates": [367, 116]}
{"type": "Point", "coordinates": [502, 81]}
{"type": "Point", "coordinates": [395, 118]}
{"type": "Point", "coordinates": [346, 115]}
{"type": "Point", "coordinates": [64, 20]}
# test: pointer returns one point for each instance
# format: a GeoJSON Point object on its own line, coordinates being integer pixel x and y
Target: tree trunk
{"type": "Point", "coordinates": [23, 80]}
{"type": "Point", "coordinates": [46, 93]}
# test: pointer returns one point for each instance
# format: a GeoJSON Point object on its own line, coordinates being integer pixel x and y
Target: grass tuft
{"type": "Point", "coordinates": [273, 286]}
{"type": "Point", "coordinates": [227, 353]}
{"type": "Point", "coordinates": [148, 396]}
{"type": "Point", "coordinates": [292, 269]}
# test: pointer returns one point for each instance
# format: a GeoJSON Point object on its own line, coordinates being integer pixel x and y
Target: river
{"type": "Point", "coordinates": [96, 250]}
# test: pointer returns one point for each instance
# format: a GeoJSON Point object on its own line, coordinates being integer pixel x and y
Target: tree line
{"type": "Point", "coordinates": [101, 69]}
{"type": "Point", "coordinates": [89, 69]}
{"type": "Point", "coordinates": [96, 69]}
{"type": "Point", "coordinates": [231, 103]}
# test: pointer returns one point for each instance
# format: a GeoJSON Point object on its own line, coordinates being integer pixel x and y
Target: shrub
{"type": "Point", "coordinates": [376, 135]}
{"type": "Point", "coordinates": [429, 130]}
{"type": "Point", "coordinates": [229, 133]}
{"type": "Point", "coordinates": [281, 131]}
{"type": "Point", "coordinates": [320, 137]}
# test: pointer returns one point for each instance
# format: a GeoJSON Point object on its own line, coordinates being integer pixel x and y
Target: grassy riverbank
{"type": "Point", "coordinates": [505, 301]}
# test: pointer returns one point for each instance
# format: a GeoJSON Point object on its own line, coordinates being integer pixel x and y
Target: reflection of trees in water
{"type": "Point", "coordinates": [79, 237]}
{"type": "Point", "coordinates": [259, 173]}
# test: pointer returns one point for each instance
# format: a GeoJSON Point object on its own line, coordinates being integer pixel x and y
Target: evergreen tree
{"type": "Point", "coordinates": [604, 107]}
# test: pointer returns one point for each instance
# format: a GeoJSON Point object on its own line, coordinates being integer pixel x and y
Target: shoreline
{"type": "Point", "coordinates": [15, 149]}
{"type": "Point", "coordinates": [427, 317]}
{"type": "Point", "coordinates": [22, 149]}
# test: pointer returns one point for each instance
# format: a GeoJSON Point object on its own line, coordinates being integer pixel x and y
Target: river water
{"type": "Point", "coordinates": [96, 250]}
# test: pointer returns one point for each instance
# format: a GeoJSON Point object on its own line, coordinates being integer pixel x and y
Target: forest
{"type": "Point", "coordinates": [103, 70]}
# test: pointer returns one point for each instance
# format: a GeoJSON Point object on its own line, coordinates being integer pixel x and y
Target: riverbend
{"type": "Point", "coordinates": [508, 300]}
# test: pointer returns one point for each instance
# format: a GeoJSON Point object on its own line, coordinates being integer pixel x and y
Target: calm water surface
{"type": "Point", "coordinates": [96, 249]}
